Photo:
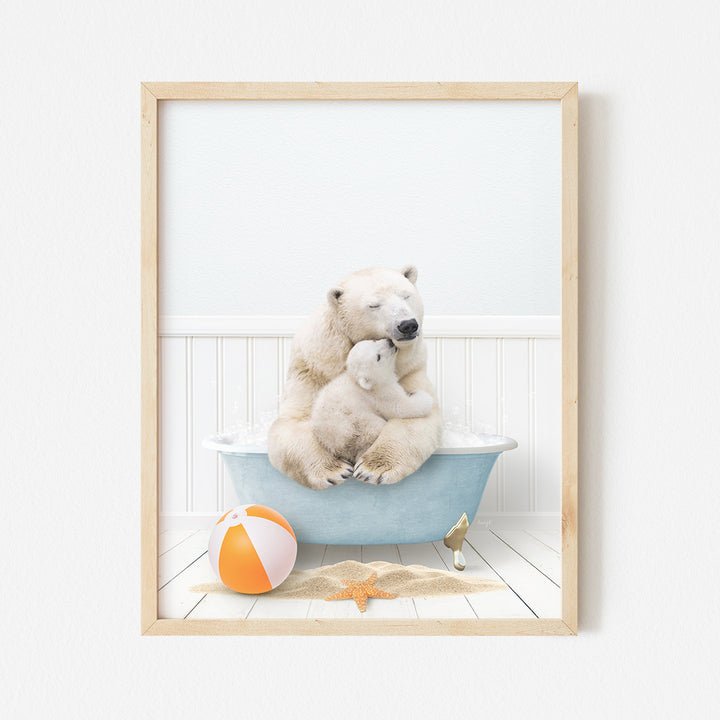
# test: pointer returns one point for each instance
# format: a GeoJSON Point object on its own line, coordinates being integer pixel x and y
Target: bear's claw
{"type": "Point", "coordinates": [327, 476]}
{"type": "Point", "coordinates": [378, 477]}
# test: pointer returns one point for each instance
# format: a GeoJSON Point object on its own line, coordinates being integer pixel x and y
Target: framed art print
{"type": "Point", "coordinates": [359, 358]}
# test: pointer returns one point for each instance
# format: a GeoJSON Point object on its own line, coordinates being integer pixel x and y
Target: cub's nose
{"type": "Point", "coordinates": [408, 327]}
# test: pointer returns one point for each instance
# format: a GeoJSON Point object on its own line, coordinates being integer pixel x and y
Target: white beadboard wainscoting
{"type": "Point", "coordinates": [498, 374]}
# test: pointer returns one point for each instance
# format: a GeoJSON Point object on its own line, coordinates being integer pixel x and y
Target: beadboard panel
{"type": "Point", "coordinates": [232, 373]}
{"type": "Point", "coordinates": [547, 425]}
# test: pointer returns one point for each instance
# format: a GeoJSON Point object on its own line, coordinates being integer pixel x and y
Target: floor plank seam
{"type": "Point", "coordinates": [165, 584]}
{"type": "Point", "coordinates": [494, 569]}
{"type": "Point", "coordinates": [442, 559]}
{"type": "Point", "coordinates": [250, 609]}
{"type": "Point", "coordinates": [467, 600]}
{"type": "Point", "coordinates": [194, 606]}
{"type": "Point", "coordinates": [527, 560]}
{"type": "Point", "coordinates": [540, 540]}
{"type": "Point", "coordinates": [180, 542]}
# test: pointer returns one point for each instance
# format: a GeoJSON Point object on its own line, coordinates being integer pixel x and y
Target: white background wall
{"type": "Point", "coordinates": [69, 292]}
{"type": "Point", "coordinates": [265, 205]}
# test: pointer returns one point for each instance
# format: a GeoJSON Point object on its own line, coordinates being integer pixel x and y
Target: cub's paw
{"type": "Point", "coordinates": [369, 471]}
{"type": "Point", "coordinates": [328, 475]}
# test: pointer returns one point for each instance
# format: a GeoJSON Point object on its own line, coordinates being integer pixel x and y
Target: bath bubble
{"type": "Point", "coordinates": [456, 433]}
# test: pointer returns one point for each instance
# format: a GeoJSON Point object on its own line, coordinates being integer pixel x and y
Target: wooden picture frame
{"type": "Point", "coordinates": [154, 92]}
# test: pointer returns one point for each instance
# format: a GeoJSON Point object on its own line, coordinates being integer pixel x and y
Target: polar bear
{"type": "Point", "coordinates": [371, 304]}
{"type": "Point", "coordinates": [350, 411]}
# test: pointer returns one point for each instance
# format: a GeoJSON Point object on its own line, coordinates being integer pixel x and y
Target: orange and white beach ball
{"type": "Point", "coordinates": [252, 549]}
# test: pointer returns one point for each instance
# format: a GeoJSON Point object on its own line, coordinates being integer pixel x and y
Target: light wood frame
{"type": "Point", "coordinates": [151, 94]}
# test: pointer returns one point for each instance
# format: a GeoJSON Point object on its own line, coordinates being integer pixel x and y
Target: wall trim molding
{"type": "Point", "coordinates": [436, 326]}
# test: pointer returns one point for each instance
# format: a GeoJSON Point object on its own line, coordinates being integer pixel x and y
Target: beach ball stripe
{"type": "Point", "coordinates": [252, 549]}
{"type": "Point", "coordinates": [223, 517]}
{"type": "Point", "coordinates": [262, 511]}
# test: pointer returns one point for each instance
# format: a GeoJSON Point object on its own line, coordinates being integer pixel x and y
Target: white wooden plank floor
{"type": "Point", "coordinates": [528, 562]}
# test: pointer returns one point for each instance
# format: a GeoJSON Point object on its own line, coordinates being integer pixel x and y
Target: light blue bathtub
{"type": "Point", "coordinates": [421, 508]}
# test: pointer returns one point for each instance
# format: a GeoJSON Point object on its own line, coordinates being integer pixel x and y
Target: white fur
{"type": "Point", "coordinates": [367, 305]}
{"type": "Point", "coordinates": [351, 410]}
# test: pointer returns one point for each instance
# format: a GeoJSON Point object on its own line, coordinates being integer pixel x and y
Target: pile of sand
{"type": "Point", "coordinates": [400, 580]}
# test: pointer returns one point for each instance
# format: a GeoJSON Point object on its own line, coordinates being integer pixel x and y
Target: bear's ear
{"type": "Point", "coordinates": [410, 272]}
{"type": "Point", "coordinates": [334, 295]}
{"type": "Point", "coordinates": [365, 382]}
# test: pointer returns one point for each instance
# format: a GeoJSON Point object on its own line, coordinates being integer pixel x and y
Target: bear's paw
{"type": "Point", "coordinates": [326, 475]}
{"type": "Point", "coordinates": [377, 471]}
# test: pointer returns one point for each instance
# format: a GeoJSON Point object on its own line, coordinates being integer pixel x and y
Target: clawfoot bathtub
{"type": "Point", "coordinates": [424, 507]}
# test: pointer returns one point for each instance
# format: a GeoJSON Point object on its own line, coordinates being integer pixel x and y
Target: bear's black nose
{"type": "Point", "coordinates": [408, 327]}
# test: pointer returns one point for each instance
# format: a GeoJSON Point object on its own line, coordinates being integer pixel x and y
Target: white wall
{"type": "Point", "coordinates": [69, 292]}
{"type": "Point", "coordinates": [263, 206]}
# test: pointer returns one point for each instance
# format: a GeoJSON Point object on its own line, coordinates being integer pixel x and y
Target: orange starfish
{"type": "Point", "coordinates": [360, 591]}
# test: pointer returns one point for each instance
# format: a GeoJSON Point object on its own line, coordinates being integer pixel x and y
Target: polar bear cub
{"type": "Point", "coordinates": [351, 410]}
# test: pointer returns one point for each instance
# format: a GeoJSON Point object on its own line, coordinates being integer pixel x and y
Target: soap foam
{"type": "Point", "coordinates": [455, 434]}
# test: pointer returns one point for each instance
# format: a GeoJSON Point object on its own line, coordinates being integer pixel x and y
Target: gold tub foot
{"type": "Point", "coordinates": [454, 540]}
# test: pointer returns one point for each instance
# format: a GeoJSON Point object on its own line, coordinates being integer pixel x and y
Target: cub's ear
{"type": "Point", "coordinates": [365, 382]}
{"type": "Point", "coordinates": [334, 295]}
{"type": "Point", "coordinates": [410, 272]}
